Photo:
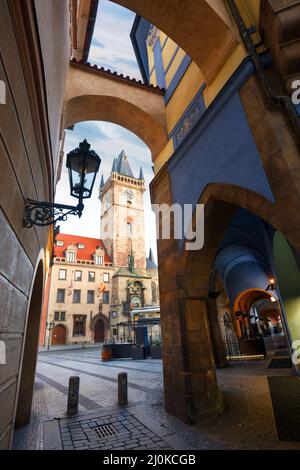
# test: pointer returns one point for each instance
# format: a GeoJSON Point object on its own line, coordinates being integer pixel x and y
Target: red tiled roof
{"type": "Point", "coordinates": [86, 253]}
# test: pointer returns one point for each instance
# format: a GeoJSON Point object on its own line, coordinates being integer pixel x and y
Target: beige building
{"type": "Point", "coordinates": [95, 283]}
{"type": "Point", "coordinates": [79, 291]}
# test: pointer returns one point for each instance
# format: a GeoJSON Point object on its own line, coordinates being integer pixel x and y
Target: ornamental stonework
{"type": "Point", "coordinates": [152, 36]}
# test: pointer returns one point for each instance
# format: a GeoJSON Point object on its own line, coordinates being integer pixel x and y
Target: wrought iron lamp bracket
{"type": "Point", "coordinates": [46, 213]}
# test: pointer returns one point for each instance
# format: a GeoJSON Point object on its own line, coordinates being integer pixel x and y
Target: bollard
{"type": "Point", "coordinates": [122, 389]}
{"type": "Point", "coordinates": [73, 395]}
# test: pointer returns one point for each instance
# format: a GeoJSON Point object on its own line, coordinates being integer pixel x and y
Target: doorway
{"type": "Point", "coordinates": [59, 335]}
{"type": "Point", "coordinates": [99, 334]}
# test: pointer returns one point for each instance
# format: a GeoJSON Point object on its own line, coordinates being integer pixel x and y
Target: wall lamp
{"type": "Point", "coordinates": [271, 285]}
{"type": "Point", "coordinates": [83, 165]}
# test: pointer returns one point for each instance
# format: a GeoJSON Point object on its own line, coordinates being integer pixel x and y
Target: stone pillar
{"type": "Point", "coordinates": [190, 386]}
{"type": "Point", "coordinates": [216, 337]}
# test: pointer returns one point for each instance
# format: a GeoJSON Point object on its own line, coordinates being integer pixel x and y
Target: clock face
{"type": "Point", "coordinates": [135, 302]}
{"type": "Point", "coordinates": [128, 195]}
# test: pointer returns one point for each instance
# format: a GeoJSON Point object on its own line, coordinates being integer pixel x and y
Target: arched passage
{"type": "Point", "coordinates": [258, 314]}
{"type": "Point", "coordinates": [30, 350]}
{"type": "Point", "coordinates": [211, 37]}
{"type": "Point", "coordinates": [190, 382]}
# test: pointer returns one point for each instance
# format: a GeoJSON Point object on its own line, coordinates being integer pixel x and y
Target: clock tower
{"type": "Point", "coordinates": [122, 215]}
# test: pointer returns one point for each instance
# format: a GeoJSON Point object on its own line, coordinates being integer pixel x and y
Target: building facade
{"type": "Point", "coordinates": [96, 283]}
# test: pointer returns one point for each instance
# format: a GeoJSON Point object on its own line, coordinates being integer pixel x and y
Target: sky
{"type": "Point", "coordinates": [111, 48]}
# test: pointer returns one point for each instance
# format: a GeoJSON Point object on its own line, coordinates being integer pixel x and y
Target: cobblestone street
{"type": "Point", "coordinates": [247, 422]}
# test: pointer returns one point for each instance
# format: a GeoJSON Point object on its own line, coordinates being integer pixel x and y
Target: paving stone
{"type": "Point", "coordinates": [50, 402]}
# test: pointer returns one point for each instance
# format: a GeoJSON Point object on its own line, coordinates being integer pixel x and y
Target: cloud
{"type": "Point", "coordinates": [111, 46]}
{"type": "Point", "coordinates": [98, 44]}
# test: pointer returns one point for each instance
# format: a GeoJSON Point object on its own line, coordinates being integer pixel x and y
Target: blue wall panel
{"type": "Point", "coordinates": [138, 35]}
{"type": "Point", "coordinates": [159, 66]}
{"type": "Point", "coordinates": [218, 150]}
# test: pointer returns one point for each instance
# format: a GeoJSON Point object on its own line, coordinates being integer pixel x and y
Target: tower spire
{"type": "Point", "coordinates": [151, 257]}
{"type": "Point", "coordinates": [101, 182]}
{"type": "Point", "coordinates": [123, 166]}
{"type": "Point", "coordinates": [141, 177]}
{"type": "Point", "coordinates": [101, 186]}
{"type": "Point", "coordinates": [114, 166]}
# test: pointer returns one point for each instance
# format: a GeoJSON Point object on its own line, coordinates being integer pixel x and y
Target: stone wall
{"type": "Point", "coordinates": [27, 154]}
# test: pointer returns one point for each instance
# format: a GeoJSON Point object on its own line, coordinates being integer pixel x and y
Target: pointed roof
{"type": "Point", "coordinates": [123, 166]}
{"type": "Point", "coordinates": [114, 166]}
{"type": "Point", "coordinates": [150, 263]}
{"type": "Point", "coordinates": [151, 257]}
{"type": "Point", "coordinates": [101, 182]}
{"type": "Point", "coordinates": [141, 177]}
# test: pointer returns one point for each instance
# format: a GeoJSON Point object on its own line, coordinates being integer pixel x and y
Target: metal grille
{"type": "Point", "coordinates": [285, 395]}
{"type": "Point", "coordinates": [106, 430]}
{"type": "Point", "coordinates": [244, 348]}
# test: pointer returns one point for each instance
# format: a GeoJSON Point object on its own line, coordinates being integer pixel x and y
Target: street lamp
{"type": "Point", "coordinates": [271, 285]}
{"type": "Point", "coordinates": [49, 326]}
{"type": "Point", "coordinates": [83, 165]}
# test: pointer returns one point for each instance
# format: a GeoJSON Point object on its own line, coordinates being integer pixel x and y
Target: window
{"type": "Point", "coordinates": [129, 229]}
{"type": "Point", "coordinates": [106, 297]}
{"type": "Point", "coordinates": [79, 325]}
{"type": "Point", "coordinates": [91, 276]}
{"type": "Point", "coordinates": [60, 296]}
{"type": "Point", "coordinates": [90, 296]}
{"type": "Point", "coordinates": [99, 260]}
{"type": "Point", "coordinates": [59, 316]}
{"type": "Point", "coordinates": [78, 275]}
{"type": "Point", "coordinates": [81, 246]}
{"type": "Point", "coordinates": [62, 274]}
{"type": "Point", "coordinates": [71, 256]}
{"type": "Point", "coordinates": [76, 296]}
{"type": "Point", "coordinates": [105, 277]}
{"type": "Point", "coordinates": [59, 243]}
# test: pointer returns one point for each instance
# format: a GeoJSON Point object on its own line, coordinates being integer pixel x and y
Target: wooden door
{"type": "Point", "coordinates": [58, 335]}
{"type": "Point", "coordinates": [99, 331]}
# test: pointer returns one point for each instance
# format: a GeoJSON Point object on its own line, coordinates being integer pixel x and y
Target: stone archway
{"type": "Point", "coordinates": [58, 335]}
{"type": "Point", "coordinates": [30, 350]}
{"type": "Point", "coordinates": [190, 384]}
{"type": "Point", "coordinates": [98, 95]}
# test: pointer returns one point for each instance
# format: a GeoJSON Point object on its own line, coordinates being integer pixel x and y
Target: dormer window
{"type": "Point", "coordinates": [99, 260]}
{"type": "Point", "coordinates": [81, 246]}
{"type": "Point", "coordinates": [71, 256]}
{"type": "Point", "coordinates": [59, 243]}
